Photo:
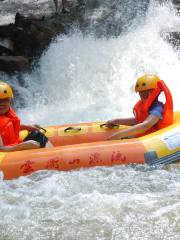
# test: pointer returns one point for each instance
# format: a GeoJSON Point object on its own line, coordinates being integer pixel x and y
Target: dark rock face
{"type": "Point", "coordinates": [33, 35]}
{"type": "Point", "coordinates": [4, 51]}
{"type": "Point", "coordinates": [13, 63]}
{"type": "Point", "coordinates": [29, 36]}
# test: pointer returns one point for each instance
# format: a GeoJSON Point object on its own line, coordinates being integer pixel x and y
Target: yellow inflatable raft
{"type": "Point", "coordinates": [84, 145]}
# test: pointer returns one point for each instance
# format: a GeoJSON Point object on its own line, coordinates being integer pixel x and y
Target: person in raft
{"type": "Point", "coordinates": [10, 126]}
{"type": "Point", "coordinates": [149, 113]}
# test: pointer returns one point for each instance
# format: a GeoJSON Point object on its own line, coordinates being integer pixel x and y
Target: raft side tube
{"type": "Point", "coordinates": [65, 158]}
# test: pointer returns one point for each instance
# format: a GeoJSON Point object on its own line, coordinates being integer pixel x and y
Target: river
{"type": "Point", "coordinates": [84, 77]}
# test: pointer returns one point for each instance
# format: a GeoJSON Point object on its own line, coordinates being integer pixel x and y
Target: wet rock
{"type": "Point", "coordinates": [6, 31]}
{"type": "Point", "coordinates": [7, 43]}
{"type": "Point", "coordinates": [32, 35]}
{"type": "Point", "coordinates": [11, 64]}
{"type": "Point", "coordinates": [5, 51]}
{"type": "Point", "coordinates": [27, 38]}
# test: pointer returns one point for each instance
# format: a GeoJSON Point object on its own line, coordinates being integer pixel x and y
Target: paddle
{"type": "Point", "coordinates": [151, 158]}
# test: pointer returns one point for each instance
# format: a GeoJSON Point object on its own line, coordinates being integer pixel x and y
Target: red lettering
{"type": "Point", "coordinates": [118, 157]}
{"type": "Point", "coordinates": [95, 158]}
{"type": "Point", "coordinates": [75, 161]}
{"type": "Point", "coordinates": [27, 167]}
{"type": "Point", "coordinates": [53, 163]}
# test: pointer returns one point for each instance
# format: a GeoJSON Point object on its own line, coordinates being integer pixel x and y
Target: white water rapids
{"type": "Point", "coordinates": [83, 78]}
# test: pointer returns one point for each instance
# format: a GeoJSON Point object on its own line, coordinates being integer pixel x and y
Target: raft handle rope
{"type": "Point", "coordinates": [40, 128]}
{"type": "Point", "coordinates": [151, 158]}
{"type": "Point", "coordinates": [73, 129]}
{"type": "Point", "coordinates": [115, 126]}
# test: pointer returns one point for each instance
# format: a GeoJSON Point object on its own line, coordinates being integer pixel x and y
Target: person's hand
{"type": "Point", "coordinates": [111, 123]}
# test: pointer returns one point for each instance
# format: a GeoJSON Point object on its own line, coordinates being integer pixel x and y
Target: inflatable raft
{"type": "Point", "coordinates": [83, 145]}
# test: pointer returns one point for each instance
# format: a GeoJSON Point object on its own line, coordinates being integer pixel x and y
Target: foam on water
{"type": "Point", "coordinates": [102, 203]}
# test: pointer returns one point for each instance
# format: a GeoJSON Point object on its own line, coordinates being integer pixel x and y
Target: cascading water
{"type": "Point", "coordinates": [87, 78]}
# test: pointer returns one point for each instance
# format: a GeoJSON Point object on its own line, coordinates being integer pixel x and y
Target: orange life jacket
{"type": "Point", "coordinates": [9, 128]}
{"type": "Point", "coordinates": [141, 109]}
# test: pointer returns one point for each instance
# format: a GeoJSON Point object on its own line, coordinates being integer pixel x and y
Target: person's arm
{"type": "Point", "coordinates": [18, 147]}
{"type": "Point", "coordinates": [28, 127]}
{"type": "Point", "coordinates": [122, 121]}
{"type": "Point", "coordinates": [21, 146]}
{"type": "Point", "coordinates": [140, 128]}
{"type": "Point", "coordinates": [1, 142]}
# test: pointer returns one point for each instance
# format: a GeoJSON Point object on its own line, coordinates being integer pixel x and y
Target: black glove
{"type": "Point", "coordinates": [38, 137]}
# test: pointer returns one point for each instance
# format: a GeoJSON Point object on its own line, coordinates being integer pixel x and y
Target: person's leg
{"type": "Point", "coordinates": [21, 146]}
